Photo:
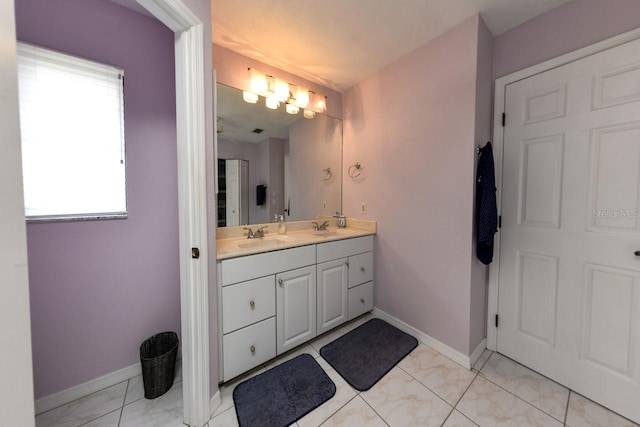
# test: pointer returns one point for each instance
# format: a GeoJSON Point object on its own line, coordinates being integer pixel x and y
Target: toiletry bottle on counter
{"type": "Point", "coordinates": [342, 220]}
{"type": "Point", "coordinates": [282, 227]}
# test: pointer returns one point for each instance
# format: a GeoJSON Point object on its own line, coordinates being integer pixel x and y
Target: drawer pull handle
{"type": "Point", "coordinates": [252, 303]}
{"type": "Point", "coordinates": [362, 300]}
{"type": "Point", "coordinates": [347, 264]}
{"type": "Point", "coordinates": [362, 269]}
{"type": "Point", "coordinates": [280, 281]}
{"type": "Point", "coordinates": [253, 349]}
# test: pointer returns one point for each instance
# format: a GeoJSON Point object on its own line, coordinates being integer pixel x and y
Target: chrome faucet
{"type": "Point", "coordinates": [320, 227]}
{"type": "Point", "coordinates": [255, 234]}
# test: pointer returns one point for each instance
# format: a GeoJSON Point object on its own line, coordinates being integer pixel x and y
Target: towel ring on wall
{"type": "Point", "coordinates": [329, 174]}
{"type": "Point", "coordinates": [354, 170]}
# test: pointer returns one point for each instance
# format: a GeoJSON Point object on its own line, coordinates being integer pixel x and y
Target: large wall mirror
{"type": "Point", "coordinates": [274, 163]}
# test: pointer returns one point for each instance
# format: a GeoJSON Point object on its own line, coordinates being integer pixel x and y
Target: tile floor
{"type": "Point", "coordinates": [424, 389]}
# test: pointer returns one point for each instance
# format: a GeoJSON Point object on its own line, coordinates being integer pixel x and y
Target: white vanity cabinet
{"type": "Point", "coordinates": [295, 307]}
{"type": "Point", "coordinates": [355, 292]}
{"type": "Point", "coordinates": [274, 301]}
{"type": "Point", "coordinates": [248, 308]}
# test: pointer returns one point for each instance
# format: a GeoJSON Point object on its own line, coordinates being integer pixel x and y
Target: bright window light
{"type": "Point", "coordinates": [72, 126]}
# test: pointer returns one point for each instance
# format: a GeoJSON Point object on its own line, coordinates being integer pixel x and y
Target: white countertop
{"type": "Point", "coordinates": [231, 247]}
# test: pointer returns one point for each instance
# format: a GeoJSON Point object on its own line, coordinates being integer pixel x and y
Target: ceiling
{"type": "Point", "coordinates": [338, 43]}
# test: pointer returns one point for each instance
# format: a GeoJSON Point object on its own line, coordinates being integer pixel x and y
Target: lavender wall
{"type": "Point", "coordinates": [412, 125]}
{"type": "Point", "coordinates": [99, 288]}
{"type": "Point", "coordinates": [571, 26]}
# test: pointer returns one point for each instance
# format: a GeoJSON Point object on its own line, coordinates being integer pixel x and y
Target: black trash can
{"type": "Point", "coordinates": [158, 359]}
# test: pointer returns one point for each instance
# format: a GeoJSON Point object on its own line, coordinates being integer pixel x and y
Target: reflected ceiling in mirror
{"type": "Point", "coordinates": [286, 153]}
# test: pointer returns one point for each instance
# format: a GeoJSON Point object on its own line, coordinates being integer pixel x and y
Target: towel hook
{"type": "Point", "coordinates": [329, 174]}
{"type": "Point", "coordinates": [354, 170]}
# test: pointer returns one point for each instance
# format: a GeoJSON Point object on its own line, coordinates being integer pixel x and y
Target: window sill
{"type": "Point", "coordinates": [67, 218]}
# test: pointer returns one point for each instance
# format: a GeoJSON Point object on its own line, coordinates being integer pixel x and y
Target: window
{"type": "Point", "coordinates": [72, 125]}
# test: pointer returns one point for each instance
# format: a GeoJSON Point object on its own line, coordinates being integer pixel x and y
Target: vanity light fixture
{"type": "Point", "coordinates": [276, 91]}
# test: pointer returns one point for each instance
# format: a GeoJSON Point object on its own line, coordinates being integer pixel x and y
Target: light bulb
{"type": "Point", "coordinates": [249, 97]}
{"type": "Point", "coordinates": [272, 103]}
{"type": "Point", "coordinates": [308, 114]}
{"type": "Point", "coordinates": [292, 109]}
{"type": "Point", "coordinates": [258, 82]}
{"type": "Point", "coordinates": [281, 90]}
{"type": "Point", "coordinates": [302, 97]}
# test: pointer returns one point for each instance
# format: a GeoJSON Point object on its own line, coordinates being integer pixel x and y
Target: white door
{"type": "Point", "coordinates": [295, 308]}
{"type": "Point", "coordinates": [332, 294]}
{"type": "Point", "coordinates": [569, 284]}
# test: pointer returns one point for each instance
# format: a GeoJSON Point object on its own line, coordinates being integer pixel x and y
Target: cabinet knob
{"type": "Point", "coordinates": [362, 300]}
{"type": "Point", "coordinates": [362, 269]}
{"type": "Point", "coordinates": [253, 349]}
{"type": "Point", "coordinates": [252, 303]}
{"type": "Point", "coordinates": [280, 281]}
{"type": "Point", "coordinates": [347, 263]}
{"type": "Point", "coordinates": [637, 253]}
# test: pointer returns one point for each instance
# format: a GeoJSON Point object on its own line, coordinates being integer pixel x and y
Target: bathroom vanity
{"type": "Point", "coordinates": [283, 290]}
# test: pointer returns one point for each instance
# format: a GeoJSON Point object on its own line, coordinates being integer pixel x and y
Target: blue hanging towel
{"type": "Point", "coordinates": [486, 205]}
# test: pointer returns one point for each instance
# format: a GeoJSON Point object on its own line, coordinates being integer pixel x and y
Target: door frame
{"type": "Point", "coordinates": [192, 203]}
{"type": "Point", "coordinates": [498, 142]}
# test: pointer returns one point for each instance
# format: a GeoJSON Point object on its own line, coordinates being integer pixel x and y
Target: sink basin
{"type": "Point", "coordinates": [329, 233]}
{"type": "Point", "coordinates": [261, 243]}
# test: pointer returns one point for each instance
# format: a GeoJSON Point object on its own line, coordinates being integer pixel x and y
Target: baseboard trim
{"type": "Point", "coordinates": [81, 390]}
{"type": "Point", "coordinates": [76, 392]}
{"type": "Point", "coordinates": [455, 355]}
{"type": "Point", "coordinates": [478, 352]}
{"type": "Point", "coordinates": [216, 401]}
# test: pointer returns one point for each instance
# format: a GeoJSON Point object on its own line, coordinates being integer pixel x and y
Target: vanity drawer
{"type": "Point", "coordinates": [249, 267]}
{"type": "Point", "coordinates": [249, 347]}
{"type": "Point", "coordinates": [344, 248]}
{"type": "Point", "coordinates": [360, 269]}
{"type": "Point", "coordinates": [360, 300]}
{"type": "Point", "coordinates": [248, 302]}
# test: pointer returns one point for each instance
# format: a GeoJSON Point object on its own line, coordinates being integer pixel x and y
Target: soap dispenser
{"type": "Point", "coordinates": [282, 227]}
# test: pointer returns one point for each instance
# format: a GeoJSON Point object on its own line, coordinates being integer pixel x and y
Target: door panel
{"type": "Point", "coordinates": [569, 281]}
{"type": "Point", "coordinates": [332, 294]}
{"type": "Point", "coordinates": [295, 307]}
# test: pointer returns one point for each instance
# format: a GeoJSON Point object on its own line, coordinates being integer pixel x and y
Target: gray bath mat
{"type": "Point", "coordinates": [367, 353]}
{"type": "Point", "coordinates": [284, 394]}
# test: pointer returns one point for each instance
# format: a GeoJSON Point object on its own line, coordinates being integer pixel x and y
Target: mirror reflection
{"type": "Point", "coordinates": [273, 163]}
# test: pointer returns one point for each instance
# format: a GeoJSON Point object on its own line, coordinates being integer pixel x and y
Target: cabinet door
{"type": "Point", "coordinates": [360, 269]}
{"type": "Point", "coordinates": [295, 307]}
{"type": "Point", "coordinates": [332, 294]}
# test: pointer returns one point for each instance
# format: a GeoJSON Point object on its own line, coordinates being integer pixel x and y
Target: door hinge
{"type": "Point", "coordinates": [496, 320]}
{"type": "Point", "coordinates": [504, 119]}
{"type": "Point", "coordinates": [499, 221]}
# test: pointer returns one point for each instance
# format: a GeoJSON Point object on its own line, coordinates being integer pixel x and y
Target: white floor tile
{"type": "Point", "coordinates": [227, 418]}
{"type": "Point", "coordinates": [402, 401]}
{"type": "Point", "coordinates": [164, 411]}
{"type": "Point", "coordinates": [291, 354]}
{"type": "Point", "coordinates": [135, 390]}
{"type": "Point", "coordinates": [86, 409]}
{"type": "Point", "coordinates": [583, 412]}
{"type": "Point", "coordinates": [355, 413]}
{"type": "Point", "coordinates": [530, 386]}
{"type": "Point", "coordinates": [486, 404]}
{"type": "Point", "coordinates": [456, 419]}
{"type": "Point", "coordinates": [110, 420]}
{"type": "Point", "coordinates": [440, 374]}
